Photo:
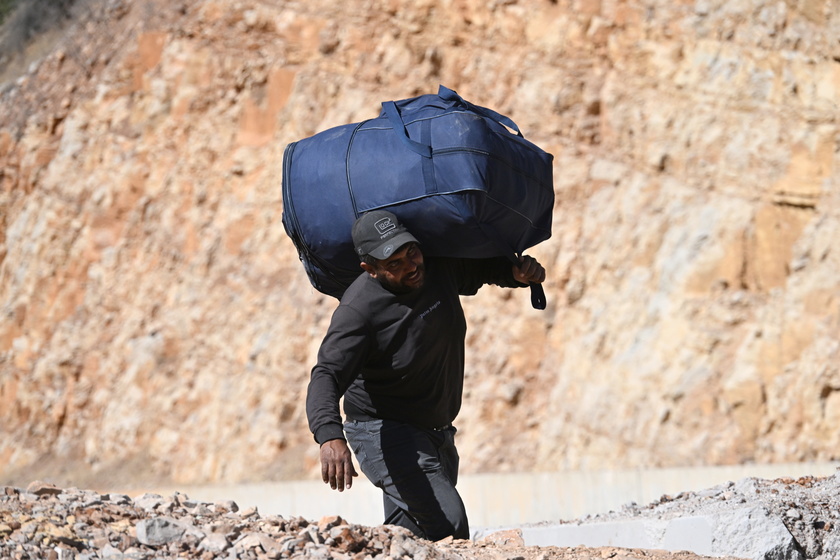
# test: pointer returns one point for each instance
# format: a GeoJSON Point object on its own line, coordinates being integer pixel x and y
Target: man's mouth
{"type": "Point", "coordinates": [415, 276]}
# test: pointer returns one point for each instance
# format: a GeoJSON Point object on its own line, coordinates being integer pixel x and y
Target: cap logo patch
{"type": "Point", "coordinates": [386, 252]}
{"type": "Point", "coordinates": [384, 225]}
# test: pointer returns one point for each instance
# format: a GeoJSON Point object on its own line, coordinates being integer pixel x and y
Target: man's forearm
{"type": "Point", "coordinates": [322, 410]}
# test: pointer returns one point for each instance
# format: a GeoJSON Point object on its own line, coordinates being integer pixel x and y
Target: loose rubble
{"type": "Point", "coordinates": [43, 522]}
{"type": "Point", "coordinates": [51, 523]}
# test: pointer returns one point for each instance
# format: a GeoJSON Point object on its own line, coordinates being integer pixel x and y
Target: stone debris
{"type": "Point", "coordinates": [75, 524]}
{"type": "Point", "coordinates": [780, 519]}
{"type": "Point", "coordinates": [46, 522]}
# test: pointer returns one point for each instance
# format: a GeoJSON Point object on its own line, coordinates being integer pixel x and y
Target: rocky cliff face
{"type": "Point", "coordinates": [157, 325]}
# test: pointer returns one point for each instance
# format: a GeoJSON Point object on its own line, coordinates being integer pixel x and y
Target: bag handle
{"type": "Point", "coordinates": [451, 95]}
{"type": "Point", "coordinates": [393, 114]}
{"type": "Point", "coordinates": [538, 300]}
{"type": "Point", "coordinates": [446, 94]}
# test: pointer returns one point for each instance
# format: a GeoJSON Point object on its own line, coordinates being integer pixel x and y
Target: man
{"type": "Point", "coordinates": [395, 351]}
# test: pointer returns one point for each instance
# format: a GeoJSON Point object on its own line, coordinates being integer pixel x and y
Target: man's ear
{"type": "Point", "coordinates": [368, 268]}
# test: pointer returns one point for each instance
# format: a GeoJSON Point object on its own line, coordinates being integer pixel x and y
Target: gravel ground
{"type": "Point", "coordinates": [46, 522]}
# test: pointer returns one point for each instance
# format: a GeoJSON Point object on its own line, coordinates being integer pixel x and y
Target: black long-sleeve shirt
{"type": "Point", "coordinates": [398, 356]}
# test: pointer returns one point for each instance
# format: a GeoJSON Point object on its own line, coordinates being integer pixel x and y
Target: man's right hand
{"type": "Point", "coordinates": [337, 468]}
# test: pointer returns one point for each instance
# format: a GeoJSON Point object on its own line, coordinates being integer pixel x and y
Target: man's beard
{"type": "Point", "coordinates": [399, 288]}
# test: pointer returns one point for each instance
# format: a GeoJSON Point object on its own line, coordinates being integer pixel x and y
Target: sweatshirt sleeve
{"type": "Point", "coordinates": [474, 273]}
{"type": "Point", "coordinates": [340, 359]}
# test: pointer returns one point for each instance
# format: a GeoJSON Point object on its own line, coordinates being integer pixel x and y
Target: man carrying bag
{"type": "Point", "coordinates": [395, 351]}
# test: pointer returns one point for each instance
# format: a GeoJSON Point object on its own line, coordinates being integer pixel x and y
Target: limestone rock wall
{"type": "Point", "coordinates": [156, 325]}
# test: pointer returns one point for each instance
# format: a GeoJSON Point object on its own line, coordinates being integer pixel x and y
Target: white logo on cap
{"type": "Point", "coordinates": [387, 251]}
{"type": "Point", "coordinates": [384, 225]}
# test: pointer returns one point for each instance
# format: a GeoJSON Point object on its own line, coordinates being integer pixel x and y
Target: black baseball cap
{"type": "Point", "coordinates": [379, 234]}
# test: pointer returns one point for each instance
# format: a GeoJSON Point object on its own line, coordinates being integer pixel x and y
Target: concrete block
{"type": "Point", "coordinates": [744, 533]}
{"type": "Point", "coordinates": [695, 534]}
{"type": "Point", "coordinates": [627, 534]}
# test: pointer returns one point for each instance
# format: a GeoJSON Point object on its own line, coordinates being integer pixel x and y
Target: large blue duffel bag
{"type": "Point", "coordinates": [453, 172]}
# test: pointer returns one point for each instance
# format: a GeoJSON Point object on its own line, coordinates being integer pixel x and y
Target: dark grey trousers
{"type": "Point", "coordinates": [417, 470]}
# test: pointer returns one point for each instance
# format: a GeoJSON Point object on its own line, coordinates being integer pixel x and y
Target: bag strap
{"type": "Point", "coordinates": [397, 123]}
{"type": "Point", "coordinates": [392, 112]}
{"type": "Point", "coordinates": [538, 300]}
{"type": "Point", "coordinates": [450, 95]}
{"type": "Point", "coordinates": [395, 118]}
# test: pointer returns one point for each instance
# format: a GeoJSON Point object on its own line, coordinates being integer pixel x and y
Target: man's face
{"type": "Point", "coordinates": [402, 272]}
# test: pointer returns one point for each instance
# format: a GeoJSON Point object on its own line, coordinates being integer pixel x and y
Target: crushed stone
{"type": "Point", "coordinates": [809, 507]}
{"type": "Point", "coordinates": [43, 521]}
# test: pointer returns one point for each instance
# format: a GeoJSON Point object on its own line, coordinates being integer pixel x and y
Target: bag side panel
{"type": "Point", "coordinates": [319, 210]}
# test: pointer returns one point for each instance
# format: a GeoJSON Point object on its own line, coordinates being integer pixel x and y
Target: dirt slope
{"type": "Point", "coordinates": [157, 327]}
